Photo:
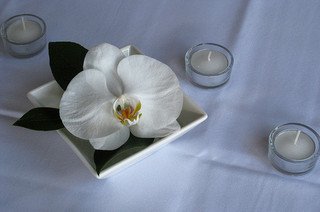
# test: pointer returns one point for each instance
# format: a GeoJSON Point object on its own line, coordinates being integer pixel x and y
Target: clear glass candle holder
{"type": "Point", "coordinates": [293, 148]}
{"type": "Point", "coordinates": [24, 35]}
{"type": "Point", "coordinates": [208, 64]}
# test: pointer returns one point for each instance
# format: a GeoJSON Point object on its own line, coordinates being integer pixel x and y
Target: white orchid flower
{"type": "Point", "coordinates": [115, 94]}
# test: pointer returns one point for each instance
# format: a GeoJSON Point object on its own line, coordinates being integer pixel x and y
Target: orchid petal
{"type": "Point", "coordinates": [113, 141]}
{"type": "Point", "coordinates": [157, 87]}
{"type": "Point", "coordinates": [106, 57]}
{"type": "Point", "coordinates": [146, 131]}
{"type": "Point", "coordinates": [86, 106]}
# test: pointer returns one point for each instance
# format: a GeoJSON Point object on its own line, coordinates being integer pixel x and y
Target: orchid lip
{"type": "Point", "coordinates": [127, 110]}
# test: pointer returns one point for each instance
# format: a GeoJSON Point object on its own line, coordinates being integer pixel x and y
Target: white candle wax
{"type": "Point", "coordinates": [294, 145]}
{"type": "Point", "coordinates": [23, 31]}
{"type": "Point", "coordinates": [209, 62]}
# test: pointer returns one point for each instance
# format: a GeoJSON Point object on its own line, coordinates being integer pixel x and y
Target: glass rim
{"type": "Point", "coordinates": [278, 129]}
{"type": "Point", "coordinates": [5, 23]}
{"type": "Point", "coordinates": [230, 61]}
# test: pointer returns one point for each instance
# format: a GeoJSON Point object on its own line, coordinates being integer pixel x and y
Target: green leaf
{"type": "Point", "coordinates": [66, 61]}
{"type": "Point", "coordinates": [104, 159]}
{"type": "Point", "coordinates": [41, 118]}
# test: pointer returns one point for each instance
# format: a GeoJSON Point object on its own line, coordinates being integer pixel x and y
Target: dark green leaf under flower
{"type": "Point", "coordinates": [66, 61]}
{"type": "Point", "coordinates": [41, 118]}
{"type": "Point", "coordinates": [103, 159]}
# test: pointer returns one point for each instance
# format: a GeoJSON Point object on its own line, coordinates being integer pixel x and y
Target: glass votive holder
{"type": "Point", "coordinates": [293, 148]}
{"type": "Point", "coordinates": [208, 64]}
{"type": "Point", "coordinates": [24, 35]}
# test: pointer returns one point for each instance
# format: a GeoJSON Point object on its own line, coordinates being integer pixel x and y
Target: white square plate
{"type": "Point", "coordinates": [49, 95]}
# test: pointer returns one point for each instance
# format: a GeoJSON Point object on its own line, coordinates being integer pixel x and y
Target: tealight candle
{"type": "Point", "coordinates": [24, 35]}
{"type": "Point", "coordinates": [209, 64]}
{"type": "Point", "coordinates": [294, 145]}
{"type": "Point", "coordinates": [293, 148]}
{"type": "Point", "coordinates": [22, 31]}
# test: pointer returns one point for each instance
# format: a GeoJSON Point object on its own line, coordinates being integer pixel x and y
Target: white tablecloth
{"type": "Point", "coordinates": [222, 164]}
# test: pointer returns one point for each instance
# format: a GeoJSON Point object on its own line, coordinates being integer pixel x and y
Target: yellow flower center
{"type": "Point", "coordinates": [127, 110]}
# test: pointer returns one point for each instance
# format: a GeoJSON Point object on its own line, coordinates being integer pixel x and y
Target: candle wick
{"type": "Point", "coordinates": [23, 24]}
{"type": "Point", "coordinates": [297, 137]}
{"type": "Point", "coordinates": [209, 56]}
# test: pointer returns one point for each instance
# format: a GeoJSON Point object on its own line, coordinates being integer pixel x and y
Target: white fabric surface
{"type": "Point", "coordinates": [222, 164]}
